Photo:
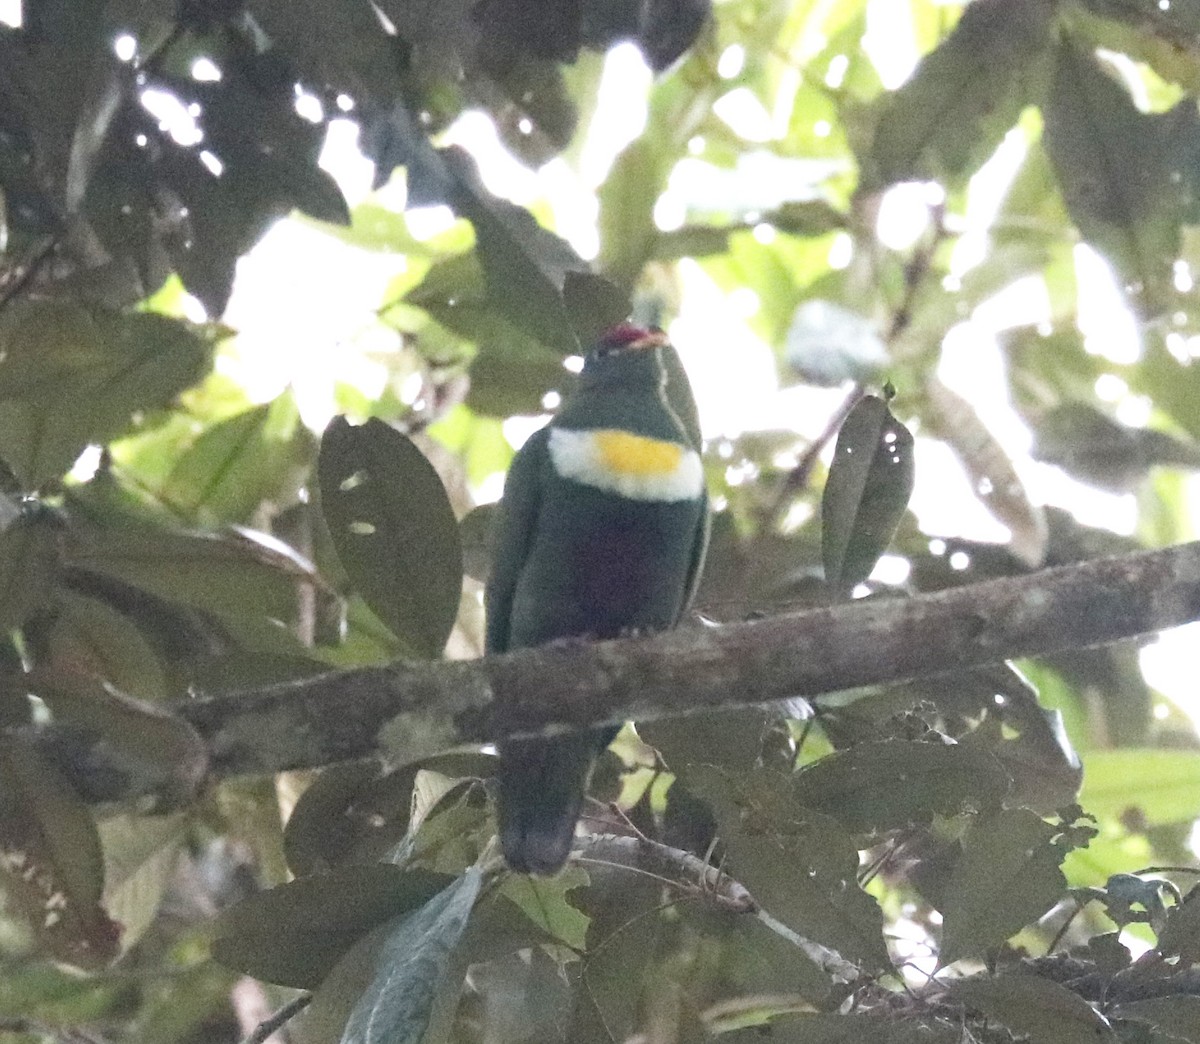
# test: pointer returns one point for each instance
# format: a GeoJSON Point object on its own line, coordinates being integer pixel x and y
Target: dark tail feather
{"type": "Point", "coordinates": [542, 786]}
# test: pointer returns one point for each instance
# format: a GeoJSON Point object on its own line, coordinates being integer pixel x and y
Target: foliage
{"type": "Point", "coordinates": [776, 875]}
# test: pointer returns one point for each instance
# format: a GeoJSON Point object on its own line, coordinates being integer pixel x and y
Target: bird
{"type": "Point", "coordinates": [601, 533]}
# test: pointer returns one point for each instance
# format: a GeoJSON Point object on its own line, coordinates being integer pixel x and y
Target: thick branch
{"type": "Point", "coordinates": [417, 708]}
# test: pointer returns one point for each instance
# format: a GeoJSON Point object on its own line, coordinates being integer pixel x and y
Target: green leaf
{"type": "Point", "coordinates": [394, 530]}
{"type": "Point", "coordinates": [945, 121]}
{"type": "Point", "coordinates": [90, 637]}
{"type": "Point", "coordinates": [1118, 173]}
{"type": "Point", "coordinates": [886, 784]}
{"type": "Point", "coordinates": [524, 265]}
{"type": "Point", "coordinates": [248, 581]}
{"type": "Point", "coordinates": [1039, 1008]}
{"type": "Point", "coordinates": [149, 749]}
{"type": "Point", "coordinates": [1006, 877]}
{"type": "Point", "coordinates": [352, 814]}
{"type": "Point", "coordinates": [544, 901]}
{"type": "Point", "coordinates": [593, 304]}
{"type": "Point", "coordinates": [800, 865]}
{"type": "Point", "coordinates": [29, 563]}
{"type": "Point", "coordinates": [141, 854]}
{"type": "Point", "coordinates": [71, 375]}
{"type": "Point", "coordinates": [1181, 935]}
{"type": "Point", "coordinates": [50, 860]}
{"type": "Point", "coordinates": [628, 234]}
{"type": "Point", "coordinates": [854, 1028]}
{"type": "Point", "coordinates": [295, 933]}
{"type": "Point", "coordinates": [870, 481]}
{"type": "Point", "coordinates": [260, 455]}
{"type": "Point", "coordinates": [1175, 1016]}
{"type": "Point", "coordinates": [1162, 786]}
{"type": "Point", "coordinates": [416, 955]}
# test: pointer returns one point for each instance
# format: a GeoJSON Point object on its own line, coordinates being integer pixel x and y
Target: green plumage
{"type": "Point", "coordinates": [572, 559]}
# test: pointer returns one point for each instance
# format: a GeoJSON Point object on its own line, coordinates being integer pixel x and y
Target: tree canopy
{"type": "Point", "coordinates": [895, 780]}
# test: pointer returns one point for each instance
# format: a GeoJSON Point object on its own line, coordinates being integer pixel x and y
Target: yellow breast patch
{"type": "Point", "coordinates": [628, 464]}
{"type": "Point", "coordinates": [629, 454]}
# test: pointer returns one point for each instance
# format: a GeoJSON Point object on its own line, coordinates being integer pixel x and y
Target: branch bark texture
{"type": "Point", "coordinates": [414, 709]}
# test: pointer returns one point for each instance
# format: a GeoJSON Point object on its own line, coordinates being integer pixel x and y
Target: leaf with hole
{"type": "Point", "coordinates": [50, 860]}
{"type": "Point", "coordinates": [394, 530]}
{"type": "Point", "coordinates": [870, 481]}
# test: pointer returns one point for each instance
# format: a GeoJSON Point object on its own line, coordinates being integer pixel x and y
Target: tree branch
{"type": "Point", "coordinates": [414, 709]}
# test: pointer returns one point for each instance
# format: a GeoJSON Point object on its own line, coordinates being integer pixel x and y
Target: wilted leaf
{"type": "Point", "coordinates": [1006, 877]}
{"type": "Point", "coordinates": [295, 933]}
{"type": "Point", "coordinates": [1045, 1011]}
{"type": "Point", "coordinates": [883, 785]}
{"type": "Point", "coordinates": [947, 119]}
{"type": "Point", "coordinates": [395, 1008]}
{"type": "Point", "coordinates": [870, 481]}
{"type": "Point", "coordinates": [394, 530]}
{"type": "Point", "coordinates": [51, 864]}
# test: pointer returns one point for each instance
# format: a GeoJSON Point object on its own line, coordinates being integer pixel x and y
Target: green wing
{"type": "Point", "coordinates": [514, 536]}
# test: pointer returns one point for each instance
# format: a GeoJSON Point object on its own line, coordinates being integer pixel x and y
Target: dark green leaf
{"type": "Point", "coordinates": [524, 265]}
{"type": "Point", "coordinates": [295, 933]}
{"type": "Point", "coordinates": [50, 860]}
{"type": "Point", "coordinates": [1006, 877]}
{"type": "Point", "coordinates": [947, 119]}
{"type": "Point", "coordinates": [1045, 1011]}
{"type": "Point", "coordinates": [883, 785]}
{"type": "Point", "coordinates": [1117, 172]}
{"type": "Point", "coordinates": [1175, 1016]}
{"type": "Point", "coordinates": [396, 1007]}
{"type": "Point", "coordinates": [394, 530]}
{"type": "Point", "coordinates": [351, 813]}
{"type": "Point", "coordinates": [249, 582]}
{"type": "Point", "coordinates": [29, 560]}
{"type": "Point", "coordinates": [870, 481]}
{"type": "Point", "coordinates": [1181, 936]}
{"type": "Point", "coordinates": [593, 304]}
{"type": "Point", "coordinates": [800, 865]}
{"type": "Point", "coordinates": [476, 531]}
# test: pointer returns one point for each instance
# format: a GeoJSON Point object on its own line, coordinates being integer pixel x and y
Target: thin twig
{"type": "Point", "coordinates": [280, 1018]}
